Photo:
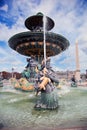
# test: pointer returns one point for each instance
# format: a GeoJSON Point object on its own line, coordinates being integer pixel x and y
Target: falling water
{"type": "Point", "coordinates": [44, 33]}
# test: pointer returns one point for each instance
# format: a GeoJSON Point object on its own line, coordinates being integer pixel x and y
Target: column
{"type": "Point", "coordinates": [77, 74]}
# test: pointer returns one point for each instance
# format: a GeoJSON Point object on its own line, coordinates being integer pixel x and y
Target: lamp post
{"type": "Point", "coordinates": [12, 72]}
{"type": "Point", "coordinates": [67, 75]}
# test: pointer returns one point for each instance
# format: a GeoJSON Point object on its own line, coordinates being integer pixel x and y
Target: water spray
{"type": "Point", "coordinates": [44, 31]}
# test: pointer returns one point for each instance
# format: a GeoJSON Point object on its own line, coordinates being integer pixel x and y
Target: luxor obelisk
{"type": "Point", "coordinates": [77, 74]}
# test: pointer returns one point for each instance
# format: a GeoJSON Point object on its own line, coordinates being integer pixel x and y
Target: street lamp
{"type": "Point", "coordinates": [12, 72]}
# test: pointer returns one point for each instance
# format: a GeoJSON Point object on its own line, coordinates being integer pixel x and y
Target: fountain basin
{"type": "Point", "coordinates": [17, 111]}
{"type": "Point", "coordinates": [31, 43]}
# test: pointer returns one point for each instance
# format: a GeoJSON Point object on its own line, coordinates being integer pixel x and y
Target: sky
{"type": "Point", "coordinates": [70, 17]}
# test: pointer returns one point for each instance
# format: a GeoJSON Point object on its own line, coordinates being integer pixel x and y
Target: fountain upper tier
{"type": "Point", "coordinates": [35, 22]}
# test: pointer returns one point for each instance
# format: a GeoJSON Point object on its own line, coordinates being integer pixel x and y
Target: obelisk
{"type": "Point", "coordinates": [77, 74]}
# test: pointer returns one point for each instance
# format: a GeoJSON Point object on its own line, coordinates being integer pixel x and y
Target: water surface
{"type": "Point", "coordinates": [17, 110]}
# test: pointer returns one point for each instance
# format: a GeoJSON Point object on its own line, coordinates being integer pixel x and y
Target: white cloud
{"type": "Point", "coordinates": [6, 32]}
{"type": "Point", "coordinates": [4, 8]}
{"type": "Point", "coordinates": [2, 51]}
{"type": "Point", "coordinates": [10, 59]}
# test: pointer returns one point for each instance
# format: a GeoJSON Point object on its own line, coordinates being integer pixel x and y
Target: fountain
{"type": "Point", "coordinates": [17, 109]}
{"type": "Point", "coordinates": [38, 43]}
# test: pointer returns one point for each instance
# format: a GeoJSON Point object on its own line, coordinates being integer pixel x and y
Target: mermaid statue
{"type": "Point", "coordinates": [45, 84]}
{"type": "Point", "coordinates": [29, 72]}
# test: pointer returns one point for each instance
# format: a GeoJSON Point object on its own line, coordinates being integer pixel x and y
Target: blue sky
{"type": "Point", "coordinates": [70, 18]}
